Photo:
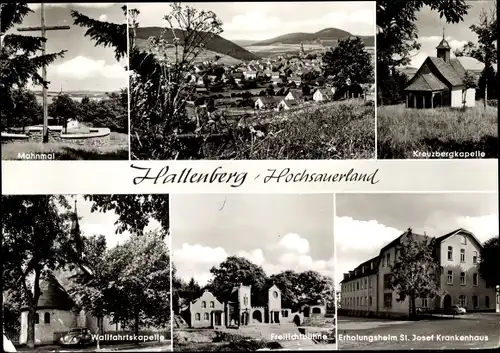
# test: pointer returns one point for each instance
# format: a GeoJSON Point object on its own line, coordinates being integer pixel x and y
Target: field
{"type": "Point", "coordinates": [117, 150]}
{"type": "Point", "coordinates": [334, 130]}
{"type": "Point", "coordinates": [401, 131]}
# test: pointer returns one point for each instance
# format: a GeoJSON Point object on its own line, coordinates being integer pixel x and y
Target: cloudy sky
{"type": "Point", "coordinates": [84, 66]}
{"type": "Point", "coordinates": [97, 223]}
{"type": "Point", "coordinates": [364, 223]}
{"type": "Point", "coordinates": [430, 30]}
{"type": "Point", "coordinates": [265, 20]}
{"type": "Point", "coordinates": [278, 232]}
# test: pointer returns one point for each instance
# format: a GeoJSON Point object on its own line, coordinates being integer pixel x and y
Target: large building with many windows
{"type": "Point", "coordinates": [366, 290]}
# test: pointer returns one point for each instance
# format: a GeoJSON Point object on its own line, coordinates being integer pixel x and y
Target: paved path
{"type": "Point", "coordinates": [468, 332]}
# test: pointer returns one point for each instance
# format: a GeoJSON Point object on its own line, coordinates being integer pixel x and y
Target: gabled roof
{"type": "Point", "coordinates": [267, 100]}
{"type": "Point", "coordinates": [368, 271]}
{"type": "Point", "coordinates": [290, 102]}
{"type": "Point", "coordinates": [53, 295]}
{"type": "Point", "coordinates": [452, 72]}
{"type": "Point", "coordinates": [426, 82]}
{"type": "Point", "coordinates": [457, 231]}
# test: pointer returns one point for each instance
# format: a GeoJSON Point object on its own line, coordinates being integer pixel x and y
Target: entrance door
{"type": "Point", "coordinates": [217, 319]}
{"type": "Point", "coordinates": [447, 302]}
{"type": "Point", "coordinates": [276, 317]}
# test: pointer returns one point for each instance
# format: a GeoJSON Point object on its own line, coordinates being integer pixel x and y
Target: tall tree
{"type": "Point", "coordinates": [25, 109]}
{"type": "Point", "coordinates": [90, 288]}
{"type": "Point", "coordinates": [486, 49]}
{"type": "Point", "coordinates": [414, 273]}
{"type": "Point", "coordinates": [19, 61]}
{"type": "Point", "coordinates": [489, 261]}
{"type": "Point", "coordinates": [134, 211]}
{"type": "Point", "coordinates": [33, 230]}
{"type": "Point", "coordinates": [348, 63]}
{"type": "Point", "coordinates": [397, 34]}
{"type": "Point", "coordinates": [139, 271]}
{"type": "Point", "coordinates": [233, 272]}
{"type": "Point", "coordinates": [63, 108]}
{"type": "Point", "coordinates": [288, 283]}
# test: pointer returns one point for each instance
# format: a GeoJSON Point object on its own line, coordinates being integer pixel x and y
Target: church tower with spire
{"type": "Point", "coordinates": [443, 50]}
{"type": "Point", "coordinates": [76, 235]}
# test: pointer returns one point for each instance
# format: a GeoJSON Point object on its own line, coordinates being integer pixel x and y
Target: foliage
{"type": "Point", "coordinates": [488, 262]}
{"type": "Point", "coordinates": [233, 272]}
{"type": "Point", "coordinates": [33, 230]}
{"type": "Point", "coordinates": [159, 86]}
{"type": "Point", "coordinates": [305, 287]}
{"type": "Point", "coordinates": [21, 111]}
{"type": "Point", "coordinates": [117, 150]}
{"type": "Point", "coordinates": [401, 131]}
{"type": "Point", "coordinates": [394, 85]}
{"type": "Point", "coordinates": [397, 34]}
{"type": "Point", "coordinates": [19, 62]}
{"type": "Point", "coordinates": [139, 278]}
{"type": "Point", "coordinates": [134, 211]}
{"type": "Point", "coordinates": [486, 49]}
{"type": "Point", "coordinates": [468, 82]}
{"type": "Point", "coordinates": [111, 112]}
{"type": "Point", "coordinates": [296, 288]}
{"type": "Point", "coordinates": [348, 63]}
{"type": "Point", "coordinates": [106, 34]}
{"type": "Point", "coordinates": [415, 272]}
{"type": "Point", "coordinates": [63, 107]}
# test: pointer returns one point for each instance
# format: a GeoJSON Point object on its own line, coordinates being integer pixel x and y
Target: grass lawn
{"type": "Point", "coordinates": [334, 130]}
{"type": "Point", "coordinates": [117, 150]}
{"type": "Point", "coordinates": [401, 131]}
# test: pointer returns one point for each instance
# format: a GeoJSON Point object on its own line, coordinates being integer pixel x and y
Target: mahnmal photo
{"type": "Point", "coordinates": [63, 83]}
{"type": "Point", "coordinates": [258, 81]}
{"type": "Point", "coordinates": [422, 272]}
{"type": "Point", "coordinates": [86, 272]}
{"type": "Point", "coordinates": [437, 79]}
{"type": "Point", "coordinates": [253, 272]}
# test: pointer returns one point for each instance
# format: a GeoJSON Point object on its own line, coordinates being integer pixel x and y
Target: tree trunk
{"type": "Point", "coordinates": [136, 324]}
{"type": "Point", "coordinates": [30, 341]}
{"type": "Point", "coordinates": [486, 92]}
{"type": "Point", "coordinates": [413, 308]}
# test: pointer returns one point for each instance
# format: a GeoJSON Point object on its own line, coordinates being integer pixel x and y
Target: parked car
{"type": "Point", "coordinates": [80, 336]}
{"type": "Point", "coordinates": [457, 310]}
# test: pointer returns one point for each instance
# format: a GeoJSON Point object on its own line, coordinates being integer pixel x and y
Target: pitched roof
{"type": "Point", "coordinates": [456, 231]}
{"type": "Point", "coordinates": [443, 45]}
{"type": "Point", "coordinates": [426, 82]}
{"type": "Point", "coordinates": [290, 102]}
{"type": "Point", "coordinates": [452, 72]}
{"type": "Point", "coordinates": [267, 100]}
{"type": "Point", "coordinates": [369, 271]}
{"type": "Point", "coordinates": [449, 70]}
{"type": "Point", "coordinates": [53, 295]}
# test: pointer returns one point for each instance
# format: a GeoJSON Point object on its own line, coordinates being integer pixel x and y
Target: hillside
{"type": "Point", "coordinates": [217, 44]}
{"type": "Point", "coordinates": [327, 34]}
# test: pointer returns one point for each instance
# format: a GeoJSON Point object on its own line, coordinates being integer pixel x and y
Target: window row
{"type": "Point", "coordinates": [358, 301]}
{"type": "Point", "coordinates": [46, 318]}
{"type": "Point", "coordinates": [363, 283]}
{"type": "Point", "coordinates": [204, 304]}
{"type": "Point", "coordinates": [206, 317]}
{"type": "Point", "coordinates": [462, 255]}
{"type": "Point", "coordinates": [463, 279]}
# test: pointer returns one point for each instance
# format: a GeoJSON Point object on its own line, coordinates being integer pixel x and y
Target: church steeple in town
{"type": "Point", "coordinates": [76, 236]}
{"type": "Point", "coordinates": [443, 49]}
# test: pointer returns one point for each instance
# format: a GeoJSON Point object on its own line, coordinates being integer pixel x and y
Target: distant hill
{"type": "Point", "coordinates": [217, 44]}
{"type": "Point", "coordinates": [327, 34]}
{"type": "Point", "coordinates": [243, 42]}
